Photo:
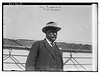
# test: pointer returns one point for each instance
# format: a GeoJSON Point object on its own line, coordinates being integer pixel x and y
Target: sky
{"type": "Point", "coordinates": [27, 21]}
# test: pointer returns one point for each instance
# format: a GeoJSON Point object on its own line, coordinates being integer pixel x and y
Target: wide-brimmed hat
{"type": "Point", "coordinates": [51, 26]}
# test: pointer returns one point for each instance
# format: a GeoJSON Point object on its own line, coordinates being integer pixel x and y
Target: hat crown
{"type": "Point", "coordinates": [54, 24]}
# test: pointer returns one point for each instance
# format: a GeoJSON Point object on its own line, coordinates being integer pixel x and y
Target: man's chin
{"type": "Point", "coordinates": [53, 39]}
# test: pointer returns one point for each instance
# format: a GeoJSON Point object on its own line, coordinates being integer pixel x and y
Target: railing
{"type": "Point", "coordinates": [76, 63]}
{"type": "Point", "coordinates": [21, 65]}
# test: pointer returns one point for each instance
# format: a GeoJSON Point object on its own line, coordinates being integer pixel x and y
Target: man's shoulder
{"type": "Point", "coordinates": [39, 41]}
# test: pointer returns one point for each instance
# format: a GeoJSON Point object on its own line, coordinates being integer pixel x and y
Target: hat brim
{"type": "Point", "coordinates": [50, 28]}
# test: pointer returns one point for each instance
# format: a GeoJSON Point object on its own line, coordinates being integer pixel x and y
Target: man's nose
{"type": "Point", "coordinates": [54, 35]}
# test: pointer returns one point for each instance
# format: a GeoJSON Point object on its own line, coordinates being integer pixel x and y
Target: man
{"type": "Point", "coordinates": [45, 55]}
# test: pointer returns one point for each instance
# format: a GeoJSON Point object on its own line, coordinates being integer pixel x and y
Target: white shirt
{"type": "Point", "coordinates": [49, 42]}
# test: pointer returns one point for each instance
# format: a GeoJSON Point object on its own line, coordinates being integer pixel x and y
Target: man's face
{"type": "Point", "coordinates": [51, 35]}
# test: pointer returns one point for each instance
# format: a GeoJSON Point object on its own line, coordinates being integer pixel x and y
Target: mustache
{"type": "Point", "coordinates": [54, 37]}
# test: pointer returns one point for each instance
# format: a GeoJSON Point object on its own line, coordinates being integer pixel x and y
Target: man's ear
{"type": "Point", "coordinates": [46, 33]}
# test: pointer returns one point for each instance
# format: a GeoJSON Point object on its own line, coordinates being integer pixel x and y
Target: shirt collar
{"type": "Point", "coordinates": [49, 41]}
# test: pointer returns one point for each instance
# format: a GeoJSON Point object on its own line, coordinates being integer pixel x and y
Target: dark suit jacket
{"type": "Point", "coordinates": [41, 58]}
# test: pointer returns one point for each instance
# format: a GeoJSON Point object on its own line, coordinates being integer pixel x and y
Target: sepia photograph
{"type": "Point", "coordinates": [50, 37]}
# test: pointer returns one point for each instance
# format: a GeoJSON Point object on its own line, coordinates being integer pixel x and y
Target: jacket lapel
{"type": "Point", "coordinates": [59, 51]}
{"type": "Point", "coordinates": [48, 47]}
